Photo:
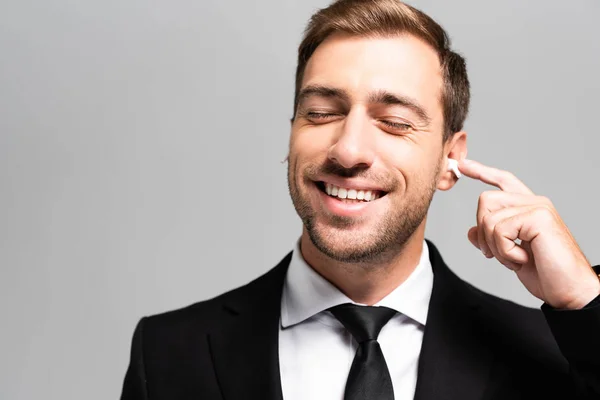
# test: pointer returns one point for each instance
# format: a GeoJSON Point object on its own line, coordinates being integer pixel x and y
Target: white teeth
{"type": "Point", "coordinates": [353, 194]}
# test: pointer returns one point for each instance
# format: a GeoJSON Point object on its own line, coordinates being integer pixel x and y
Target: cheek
{"type": "Point", "coordinates": [401, 153]}
{"type": "Point", "coordinates": [308, 144]}
{"type": "Point", "coordinates": [413, 161]}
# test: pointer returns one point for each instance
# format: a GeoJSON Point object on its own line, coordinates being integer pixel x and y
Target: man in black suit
{"type": "Point", "coordinates": [365, 307]}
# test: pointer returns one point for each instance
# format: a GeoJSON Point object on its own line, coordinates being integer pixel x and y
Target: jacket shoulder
{"type": "Point", "coordinates": [200, 314]}
{"type": "Point", "coordinates": [504, 307]}
{"type": "Point", "coordinates": [203, 315]}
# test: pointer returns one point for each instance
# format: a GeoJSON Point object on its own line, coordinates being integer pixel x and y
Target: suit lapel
{"type": "Point", "coordinates": [245, 348]}
{"type": "Point", "coordinates": [454, 363]}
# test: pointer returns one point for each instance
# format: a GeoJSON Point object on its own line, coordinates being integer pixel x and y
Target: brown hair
{"type": "Point", "coordinates": [387, 18]}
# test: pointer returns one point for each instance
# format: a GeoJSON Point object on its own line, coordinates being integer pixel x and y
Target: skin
{"type": "Point", "coordinates": [347, 133]}
{"type": "Point", "coordinates": [548, 261]}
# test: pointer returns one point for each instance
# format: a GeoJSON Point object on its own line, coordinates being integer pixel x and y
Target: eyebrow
{"type": "Point", "coordinates": [387, 98]}
{"type": "Point", "coordinates": [322, 91]}
{"type": "Point", "coordinates": [376, 97]}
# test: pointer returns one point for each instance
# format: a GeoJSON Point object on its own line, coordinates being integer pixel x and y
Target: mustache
{"type": "Point", "coordinates": [331, 168]}
{"type": "Point", "coordinates": [359, 171]}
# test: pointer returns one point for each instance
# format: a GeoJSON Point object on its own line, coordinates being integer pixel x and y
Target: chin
{"type": "Point", "coordinates": [346, 245]}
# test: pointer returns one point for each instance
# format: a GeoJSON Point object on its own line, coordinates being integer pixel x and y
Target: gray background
{"type": "Point", "coordinates": [140, 149]}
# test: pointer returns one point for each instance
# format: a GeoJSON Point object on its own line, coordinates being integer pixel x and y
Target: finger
{"type": "Point", "coordinates": [501, 179]}
{"type": "Point", "coordinates": [472, 235]}
{"type": "Point", "coordinates": [483, 246]}
{"type": "Point", "coordinates": [519, 226]}
{"type": "Point", "coordinates": [493, 200]}
{"type": "Point", "coordinates": [491, 221]}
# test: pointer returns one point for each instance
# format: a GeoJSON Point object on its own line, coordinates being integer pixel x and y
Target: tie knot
{"type": "Point", "coordinates": [363, 322]}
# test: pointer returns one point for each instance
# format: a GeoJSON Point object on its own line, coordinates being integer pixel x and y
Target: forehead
{"type": "Point", "coordinates": [400, 64]}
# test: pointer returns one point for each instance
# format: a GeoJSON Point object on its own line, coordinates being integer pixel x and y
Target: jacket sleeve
{"type": "Point", "coordinates": [577, 333]}
{"type": "Point", "coordinates": [134, 385]}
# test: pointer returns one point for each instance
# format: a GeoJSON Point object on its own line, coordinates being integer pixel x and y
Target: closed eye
{"type": "Point", "coordinates": [325, 116]}
{"type": "Point", "coordinates": [396, 125]}
{"type": "Point", "coordinates": [321, 117]}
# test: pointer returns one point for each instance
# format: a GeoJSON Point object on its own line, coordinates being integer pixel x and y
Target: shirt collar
{"type": "Point", "coordinates": [306, 293]}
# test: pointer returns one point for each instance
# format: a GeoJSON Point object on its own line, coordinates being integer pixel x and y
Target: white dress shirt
{"type": "Point", "coordinates": [316, 351]}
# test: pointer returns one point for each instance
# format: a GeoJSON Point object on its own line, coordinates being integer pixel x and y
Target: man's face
{"type": "Point", "coordinates": [369, 124]}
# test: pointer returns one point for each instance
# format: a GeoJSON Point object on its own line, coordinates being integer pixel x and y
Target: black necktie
{"type": "Point", "coordinates": [369, 377]}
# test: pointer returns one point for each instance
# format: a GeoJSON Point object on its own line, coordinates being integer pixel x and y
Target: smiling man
{"type": "Point", "coordinates": [365, 307]}
{"type": "Point", "coordinates": [369, 122]}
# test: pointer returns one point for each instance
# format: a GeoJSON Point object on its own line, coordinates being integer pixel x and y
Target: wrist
{"type": "Point", "coordinates": [585, 296]}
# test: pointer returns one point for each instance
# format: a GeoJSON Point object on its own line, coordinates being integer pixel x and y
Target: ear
{"type": "Point", "coordinates": [456, 148]}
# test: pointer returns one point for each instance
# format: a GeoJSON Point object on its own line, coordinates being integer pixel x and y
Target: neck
{"type": "Point", "coordinates": [367, 283]}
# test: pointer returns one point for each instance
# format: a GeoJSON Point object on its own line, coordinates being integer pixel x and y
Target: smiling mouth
{"type": "Point", "coordinates": [350, 195]}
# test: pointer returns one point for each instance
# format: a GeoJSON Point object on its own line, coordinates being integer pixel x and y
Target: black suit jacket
{"type": "Point", "coordinates": [475, 347]}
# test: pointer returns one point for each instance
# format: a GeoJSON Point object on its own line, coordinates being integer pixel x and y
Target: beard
{"type": "Point", "coordinates": [383, 237]}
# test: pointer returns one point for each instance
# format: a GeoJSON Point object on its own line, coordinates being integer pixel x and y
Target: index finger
{"type": "Point", "coordinates": [501, 179]}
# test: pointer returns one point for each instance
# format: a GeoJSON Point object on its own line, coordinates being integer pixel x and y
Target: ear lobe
{"type": "Point", "coordinates": [447, 180]}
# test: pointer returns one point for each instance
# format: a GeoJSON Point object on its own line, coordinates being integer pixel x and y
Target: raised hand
{"type": "Point", "coordinates": [547, 260]}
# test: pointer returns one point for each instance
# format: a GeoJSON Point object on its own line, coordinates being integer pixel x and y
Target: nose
{"type": "Point", "coordinates": [354, 145]}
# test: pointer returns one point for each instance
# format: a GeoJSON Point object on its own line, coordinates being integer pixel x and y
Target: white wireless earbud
{"type": "Point", "coordinates": [453, 166]}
